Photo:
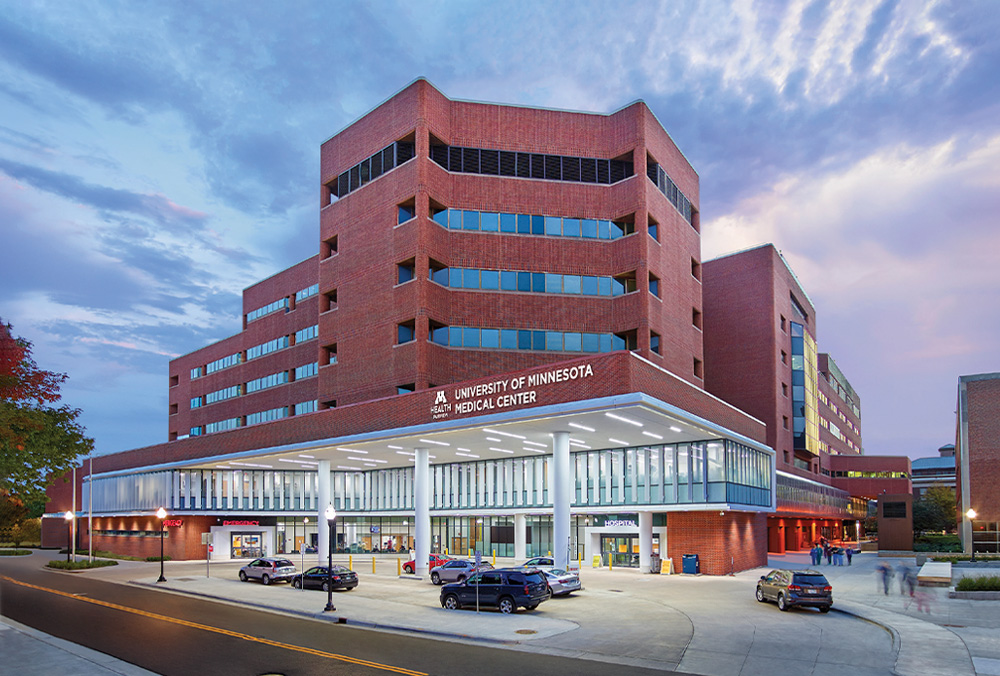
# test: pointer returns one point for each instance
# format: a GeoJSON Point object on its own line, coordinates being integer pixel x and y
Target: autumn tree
{"type": "Point", "coordinates": [39, 438]}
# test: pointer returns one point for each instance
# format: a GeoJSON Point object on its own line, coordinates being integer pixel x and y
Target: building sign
{"type": "Point", "coordinates": [611, 523]}
{"type": "Point", "coordinates": [241, 523]}
{"type": "Point", "coordinates": [172, 523]}
{"type": "Point", "coordinates": [502, 393]}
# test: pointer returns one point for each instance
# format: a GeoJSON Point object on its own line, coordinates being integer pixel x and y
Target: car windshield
{"type": "Point", "coordinates": [283, 563]}
{"type": "Point", "coordinates": [558, 572]}
{"type": "Point", "coordinates": [817, 580]}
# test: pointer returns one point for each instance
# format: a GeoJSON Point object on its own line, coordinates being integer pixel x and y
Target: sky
{"type": "Point", "coordinates": [157, 158]}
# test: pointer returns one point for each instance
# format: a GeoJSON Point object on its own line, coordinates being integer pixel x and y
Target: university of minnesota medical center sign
{"type": "Point", "coordinates": [502, 393]}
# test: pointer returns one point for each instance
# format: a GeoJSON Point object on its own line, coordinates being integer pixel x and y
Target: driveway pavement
{"type": "Point", "coordinates": [694, 624]}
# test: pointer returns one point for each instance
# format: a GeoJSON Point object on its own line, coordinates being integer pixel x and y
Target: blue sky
{"type": "Point", "coordinates": [156, 158]}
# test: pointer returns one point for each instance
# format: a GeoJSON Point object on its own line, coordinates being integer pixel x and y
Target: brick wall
{"type": "Point", "coordinates": [984, 447]}
{"type": "Point", "coordinates": [724, 542]}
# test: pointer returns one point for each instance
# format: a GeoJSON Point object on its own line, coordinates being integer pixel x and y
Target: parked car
{"type": "Point", "coordinates": [435, 561]}
{"type": "Point", "coordinates": [457, 570]}
{"type": "Point", "coordinates": [790, 588]}
{"type": "Point", "coordinates": [317, 577]}
{"type": "Point", "coordinates": [504, 588]}
{"type": "Point", "coordinates": [562, 582]}
{"type": "Point", "coordinates": [547, 562]}
{"type": "Point", "coordinates": [268, 570]}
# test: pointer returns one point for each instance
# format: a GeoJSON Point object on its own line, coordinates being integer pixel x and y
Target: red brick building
{"type": "Point", "coordinates": [977, 455]}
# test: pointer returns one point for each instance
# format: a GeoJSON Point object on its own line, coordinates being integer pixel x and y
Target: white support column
{"type": "Point", "coordinates": [325, 498]}
{"type": "Point", "coordinates": [560, 499]}
{"type": "Point", "coordinates": [645, 540]}
{"type": "Point", "coordinates": [520, 537]}
{"type": "Point", "coordinates": [421, 505]}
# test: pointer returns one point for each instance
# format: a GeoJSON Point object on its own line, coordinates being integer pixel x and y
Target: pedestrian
{"type": "Point", "coordinates": [815, 553]}
{"type": "Point", "coordinates": [828, 552]}
{"type": "Point", "coordinates": [850, 554]}
{"type": "Point", "coordinates": [904, 572]}
{"type": "Point", "coordinates": [884, 570]}
{"type": "Point", "coordinates": [911, 580]}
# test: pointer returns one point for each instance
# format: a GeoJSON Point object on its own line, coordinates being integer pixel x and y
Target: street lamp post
{"type": "Point", "coordinates": [69, 532]}
{"type": "Point", "coordinates": [161, 514]}
{"type": "Point", "coordinates": [972, 532]}
{"type": "Point", "coordinates": [331, 518]}
{"type": "Point", "coordinates": [302, 551]}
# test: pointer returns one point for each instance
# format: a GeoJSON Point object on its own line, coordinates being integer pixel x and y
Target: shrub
{"type": "Point", "coordinates": [80, 565]}
{"type": "Point", "coordinates": [966, 557]}
{"type": "Point", "coordinates": [14, 552]}
{"type": "Point", "coordinates": [157, 558]}
{"type": "Point", "coordinates": [984, 583]}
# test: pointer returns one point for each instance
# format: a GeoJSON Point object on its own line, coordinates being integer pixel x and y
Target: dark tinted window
{"type": "Point", "coordinates": [283, 563]}
{"type": "Point", "coordinates": [515, 578]}
{"type": "Point", "coordinates": [535, 577]}
{"type": "Point", "coordinates": [816, 580]}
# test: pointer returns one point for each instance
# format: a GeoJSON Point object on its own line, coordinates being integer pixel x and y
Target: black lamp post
{"type": "Point", "coordinates": [161, 514]}
{"type": "Point", "coordinates": [69, 532]}
{"type": "Point", "coordinates": [972, 537]}
{"type": "Point", "coordinates": [331, 518]}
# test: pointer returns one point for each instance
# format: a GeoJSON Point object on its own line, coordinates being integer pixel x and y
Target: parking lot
{"type": "Point", "coordinates": [695, 624]}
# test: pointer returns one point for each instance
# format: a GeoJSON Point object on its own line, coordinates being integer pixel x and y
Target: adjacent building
{"type": "Point", "coordinates": [934, 472]}
{"type": "Point", "coordinates": [977, 457]}
{"type": "Point", "coordinates": [506, 342]}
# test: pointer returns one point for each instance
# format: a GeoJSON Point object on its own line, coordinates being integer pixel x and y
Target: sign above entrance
{"type": "Point", "coordinates": [619, 522]}
{"type": "Point", "coordinates": [241, 523]}
{"type": "Point", "coordinates": [502, 393]}
{"type": "Point", "coordinates": [173, 523]}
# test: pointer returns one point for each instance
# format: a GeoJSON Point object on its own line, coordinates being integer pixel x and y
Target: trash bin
{"type": "Point", "coordinates": [690, 564]}
{"type": "Point", "coordinates": [654, 563]}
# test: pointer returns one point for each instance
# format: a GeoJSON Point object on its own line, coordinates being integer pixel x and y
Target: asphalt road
{"type": "Point", "coordinates": [171, 634]}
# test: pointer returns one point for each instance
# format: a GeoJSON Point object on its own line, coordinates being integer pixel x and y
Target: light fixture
{"type": "Point", "coordinates": [356, 469]}
{"type": "Point", "coordinates": [436, 443]}
{"type": "Point", "coordinates": [352, 450]}
{"type": "Point", "coordinates": [495, 440]}
{"type": "Point", "coordinates": [652, 434]}
{"type": "Point", "coordinates": [410, 453]}
{"type": "Point", "coordinates": [161, 514]}
{"type": "Point", "coordinates": [395, 448]}
{"type": "Point", "coordinates": [676, 429]}
{"type": "Point", "coordinates": [331, 519]}
{"type": "Point", "coordinates": [501, 450]}
{"type": "Point", "coordinates": [503, 434]}
{"type": "Point", "coordinates": [618, 441]}
{"type": "Point", "coordinates": [311, 457]}
{"type": "Point", "coordinates": [582, 427]}
{"type": "Point", "coordinates": [623, 419]}
{"type": "Point", "coordinates": [535, 443]}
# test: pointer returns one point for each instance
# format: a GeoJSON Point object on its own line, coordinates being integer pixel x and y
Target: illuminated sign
{"type": "Point", "coordinates": [241, 523]}
{"type": "Point", "coordinates": [172, 523]}
{"type": "Point", "coordinates": [619, 522]}
{"type": "Point", "coordinates": [503, 392]}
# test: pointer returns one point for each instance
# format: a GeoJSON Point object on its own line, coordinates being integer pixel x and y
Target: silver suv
{"type": "Point", "coordinates": [457, 570]}
{"type": "Point", "coordinates": [268, 570]}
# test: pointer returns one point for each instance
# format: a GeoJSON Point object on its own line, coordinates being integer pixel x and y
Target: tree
{"type": "Point", "coordinates": [39, 439]}
{"type": "Point", "coordinates": [935, 510]}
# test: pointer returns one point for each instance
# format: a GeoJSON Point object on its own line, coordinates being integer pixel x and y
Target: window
{"type": "Point", "coordinates": [784, 357]}
{"type": "Point", "coordinates": [406, 211]}
{"type": "Point", "coordinates": [265, 382]}
{"type": "Point", "coordinates": [624, 283]}
{"type": "Point", "coordinates": [698, 368]}
{"type": "Point", "coordinates": [784, 393]}
{"type": "Point", "coordinates": [696, 269]}
{"type": "Point", "coordinates": [268, 347]}
{"type": "Point", "coordinates": [196, 402]}
{"type": "Point", "coordinates": [197, 372]}
{"type": "Point", "coordinates": [309, 370]}
{"type": "Point", "coordinates": [175, 381]}
{"type": "Point", "coordinates": [784, 424]}
{"type": "Point", "coordinates": [653, 228]}
{"type": "Point", "coordinates": [267, 416]}
{"type": "Point", "coordinates": [526, 339]}
{"type": "Point", "coordinates": [280, 304]}
{"type": "Point", "coordinates": [306, 292]}
{"type": "Point", "coordinates": [371, 168]}
{"type": "Point", "coordinates": [781, 322]}
{"type": "Point", "coordinates": [533, 224]}
{"type": "Point", "coordinates": [223, 363]}
{"type": "Point", "coordinates": [405, 271]}
{"type": "Point", "coordinates": [307, 333]}
{"type": "Point", "coordinates": [654, 342]}
{"type": "Point", "coordinates": [798, 309]}
{"type": "Point", "coordinates": [654, 285]}
{"type": "Point", "coordinates": [531, 165]}
{"type": "Point", "coordinates": [655, 173]}
{"type": "Point", "coordinates": [195, 431]}
{"type": "Point", "coordinates": [306, 407]}
{"type": "Point", "coordinates": [406, 389]}
{"type": "Point", "coordinates": [329, 301]}
{"type": "Point", "coordinates": [329, 355]}
{"type": "Point", "coordinates": [223, 394]}
{"type": "Point", "coordinates": [223, 425]}
{"type": "Point", "coordinates": [174, 408]}
{"type": "Point", "coordinates": [696, 318]}
{"type": "Point", "coordinates": [328, 247]}
{"type": "Point", "coordinates": [406, 332]}
{"type": "Point", "coordinates": [627, 340]}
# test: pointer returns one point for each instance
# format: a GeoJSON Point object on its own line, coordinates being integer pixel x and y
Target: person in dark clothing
{"type": "Point", "coordinates": [850, 555]}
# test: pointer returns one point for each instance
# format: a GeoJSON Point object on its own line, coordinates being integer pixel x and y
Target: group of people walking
{"type": "Point", "coordinates": [834, 555]}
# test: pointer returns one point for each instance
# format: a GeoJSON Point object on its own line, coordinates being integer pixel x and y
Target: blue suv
{"type": "Point", "coordinates": [504, 588]}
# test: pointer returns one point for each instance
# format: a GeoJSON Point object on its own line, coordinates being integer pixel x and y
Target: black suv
{"type": "Point", "coordinates": [796, 588]}
{"type": "Point", "coordinates": [505, 588]}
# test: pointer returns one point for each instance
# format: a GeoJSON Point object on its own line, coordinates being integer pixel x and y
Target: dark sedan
{"type": "Point", "coordinates": [318, 578]}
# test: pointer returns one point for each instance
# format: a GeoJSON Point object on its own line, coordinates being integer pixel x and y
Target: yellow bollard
{"type": "Point", "coordinates": [373, 564]}
{"type": "Point", "coordinates": [350, 561]}
{"type": "Point", "coordinates": [609, 560]}
{"type": "Point", "coordinates": [579, 561]}
{"type": "Point", "coordinates": [494, 558]}
{"type": "Point", "coordinates": [399, 566]}
{"type": "Point", "coordinates": [446, 551]}
{"type": "Point", "coordinates": [550, 553]}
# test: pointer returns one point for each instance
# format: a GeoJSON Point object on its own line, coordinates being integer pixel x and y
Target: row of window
{"type": "Point", "coordinates": [532, 282]}
{"type": "Point", "coordinates": [306, 292]}
{"type": "Point", "coordinates": [371, 168]}
{"type": "Point", "coordinates": [255, 385]}
{"type": "Point", "coordinates": [217, 365]}
{"type": "Point", "coordinates": [524, 339]}
{"type": "Point", "coordinates": [270, 346]}
{"type": "Point", "coordinates": [280, 304]}
{"type": "Point", "coordinates": [673, 194]}
{"type": "Point", "coordinates": [533, 224]}
{"type": "Point", "coordinates": [530, 165]}
{"type": "Point", "coordinates": [255, 418]}
{"type": "Point", "coordinates": [307, 333]}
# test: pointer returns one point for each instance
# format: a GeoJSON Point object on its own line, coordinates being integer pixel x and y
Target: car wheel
{"type": "Point", "coordinates": [435, 578]}
{"type": "Point", "coordinates": [506, 605]}
{"type": "Point", "coordinates": [782, 604]}
{"type": "Point", "coordinates": [824, 609]}
{"type": "Point", "coordinates": [408, 569]}
{"type": "Point", "coordinates": [243, 576]}
{"type": "Point", "coordinates": [326, 586]}
{"type": "Point", "coordinates": [760, 595]}
{"type": "Point", "coordinates": [265, 579]}
{"type": "Point", "coordinates": [450, 602]}
{"type": "Point", "coordinates": [297, 584]}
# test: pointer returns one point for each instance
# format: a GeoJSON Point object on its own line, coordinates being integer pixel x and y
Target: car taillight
{"type": "Point", "coordinates": [827, 588]}
{"type": "Point", "coordinates": [794, 587]}
{"type": "Point", "coordinates": [526, 589]}
{"type": "Point", "coordinates": [336, 577]}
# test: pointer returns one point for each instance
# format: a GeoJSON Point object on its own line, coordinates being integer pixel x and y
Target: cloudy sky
{"type": "Point", "coordinates": [156, 158]}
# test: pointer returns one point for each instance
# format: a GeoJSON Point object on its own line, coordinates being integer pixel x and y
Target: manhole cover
{"type": "Point", "coordinates": [616, 590]}
{"type": "Point", "coordinates": [525, 631]}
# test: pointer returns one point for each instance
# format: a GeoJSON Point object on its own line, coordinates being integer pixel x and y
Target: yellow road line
{"type": "Point", "coordinates": [217, 630]}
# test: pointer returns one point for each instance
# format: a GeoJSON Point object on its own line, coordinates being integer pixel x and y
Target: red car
{"type": "Point", "coordinates": [436, 560]}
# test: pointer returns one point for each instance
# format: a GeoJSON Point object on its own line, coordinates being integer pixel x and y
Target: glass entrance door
{"type": "Point", "coordinates": [623, 550]}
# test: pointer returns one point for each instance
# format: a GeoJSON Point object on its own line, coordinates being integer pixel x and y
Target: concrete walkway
{"type": "Point", "coordinates": [694, 624]}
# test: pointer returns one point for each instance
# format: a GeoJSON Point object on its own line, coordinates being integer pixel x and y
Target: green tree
{"type": "Point", "coordinates": [935, 510]}
{"type": "Point", "coordinates": [39, 439]}
{"type": "Point", "coordinates": [13, 514]}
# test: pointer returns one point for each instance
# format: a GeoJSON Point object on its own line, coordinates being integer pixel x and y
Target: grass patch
{"type": "Point", "coordinates": [14, 552]}
{"type": "Point", "coordinates": [984, 583]}
{"type": "Point", "coordinates": [80, 565]}
{"type": "Point", "coordinates": [111, 555]}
